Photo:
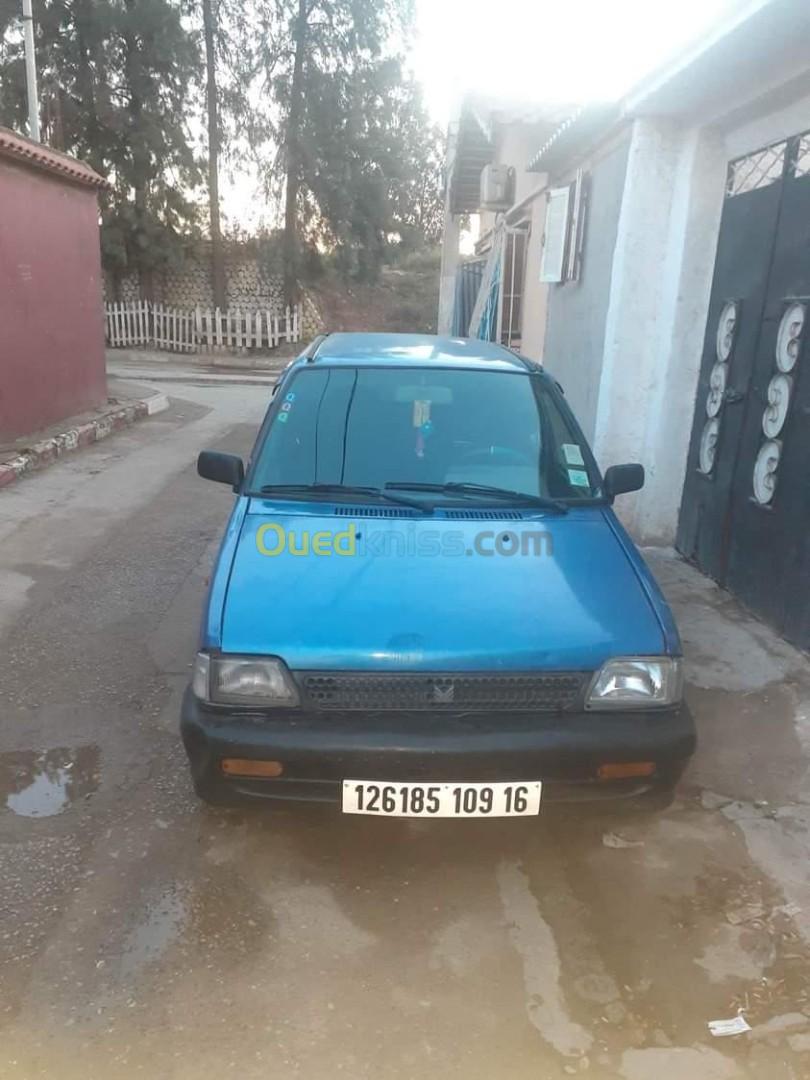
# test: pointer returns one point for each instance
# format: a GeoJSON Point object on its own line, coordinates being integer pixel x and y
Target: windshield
{"type": "Point", "coordinates": [377, 426]}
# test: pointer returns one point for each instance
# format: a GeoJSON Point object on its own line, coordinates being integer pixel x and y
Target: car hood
{"type": "Point", "coordinates": [395, 606]}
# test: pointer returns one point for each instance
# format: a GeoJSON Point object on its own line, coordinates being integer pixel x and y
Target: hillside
{"type": "Point", "coordinates": [405, 298]}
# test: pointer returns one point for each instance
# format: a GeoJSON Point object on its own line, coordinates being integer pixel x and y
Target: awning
{"type": "Point", "coordinates": [473, 151]}
{"type": "Point", "coordinates": [579, 132]}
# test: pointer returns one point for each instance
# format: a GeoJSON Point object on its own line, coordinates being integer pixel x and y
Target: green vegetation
{"type": "Point", "coordinates": [154, 93]}
{"type": "Point", "coordinates": [402, 299]}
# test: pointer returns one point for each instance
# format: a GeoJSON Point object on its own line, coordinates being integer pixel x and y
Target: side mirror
{"type": "Point", "coordinates": [224, 468]}
{"type": "Point", "coordinates": [620, 479]}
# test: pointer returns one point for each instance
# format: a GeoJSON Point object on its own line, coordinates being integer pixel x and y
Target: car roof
{"type": "Point", "coordinates": [413, 350]}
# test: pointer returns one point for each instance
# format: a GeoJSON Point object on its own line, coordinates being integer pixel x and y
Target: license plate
{"type": "Point", "coordinates": [515, 799]}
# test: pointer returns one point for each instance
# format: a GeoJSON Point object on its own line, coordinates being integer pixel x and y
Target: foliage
{"type": "Point", "coordinates": [357, 159]}
{"type": "Point", "coordinates": [403, 299]}
{"type": "Point", "coordinates": [116, 78]}
{"type": "Point", "coordinates": [371, 173]}
{"type": "Point", "coordinates": [315, 92]}
{"type": "Point", "coordinates": [153, 168]}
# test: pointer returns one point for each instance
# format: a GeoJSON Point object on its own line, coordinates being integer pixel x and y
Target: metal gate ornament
{"type": "Point", "coordinates": [788, 339]}
{"type": "Point", "coordinates": [773, 419]}
{"type": "Point", "coordinates": [780, 388]}
{"type": "Point", "coordinates": [726, 328]}
{"type": "Point", "coordinates": [718, 380]}
{"type": "Point", "coordinates": [765, 471]}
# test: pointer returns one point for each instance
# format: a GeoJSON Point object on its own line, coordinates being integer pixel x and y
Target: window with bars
{"type": "Point", "coordinates": [801, 165]}
{"type": "Point", "coordinates": [512, 288]}
{"type": "Point", "coordinates": [756, 170]}
{"type": "Point", "coordinates": [789, 157]}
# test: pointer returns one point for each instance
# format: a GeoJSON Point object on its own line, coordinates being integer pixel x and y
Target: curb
{"type": "Point", "coordinates": [48, 450]}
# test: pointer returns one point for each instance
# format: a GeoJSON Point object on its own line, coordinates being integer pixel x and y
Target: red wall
{"type": "Point", "coordinates": [51, 321]}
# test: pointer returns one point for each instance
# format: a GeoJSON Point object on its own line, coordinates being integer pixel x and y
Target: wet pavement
{"type": "Point", "coordinates": [144, 934]}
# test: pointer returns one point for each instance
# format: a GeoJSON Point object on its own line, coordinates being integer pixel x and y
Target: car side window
{"type": "Point", "coordinates": [289, 451]}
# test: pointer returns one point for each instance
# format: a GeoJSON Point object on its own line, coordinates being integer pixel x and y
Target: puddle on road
{"type": "Point", "coordinates": [41, 783]}
{"type": "Point", "coordinates": [159, 927]}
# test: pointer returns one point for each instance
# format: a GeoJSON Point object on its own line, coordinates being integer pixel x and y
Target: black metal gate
{"type": "Point", "coordinates": [745, 514]}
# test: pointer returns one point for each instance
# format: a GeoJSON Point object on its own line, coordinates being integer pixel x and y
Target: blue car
{"type": "Point", "coordinates": [424, 605]}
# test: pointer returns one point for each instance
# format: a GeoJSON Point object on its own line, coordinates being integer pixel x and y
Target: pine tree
{"type": "Point", "coordinates": [349, 128]}
{"type": "Point", "coordinates": [313, 90]}
{"type": "Point", "coordinates": [153, 167]}
{"type": "Point", "coordinates": [117, 79]}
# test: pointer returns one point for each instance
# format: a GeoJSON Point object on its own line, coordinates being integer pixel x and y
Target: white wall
{"type": "Point", "coordinates": [661, 282]}
{"type": "Point", "coordinates": [535, 292]}
{"type": "Point", "coordinates": [574, 344]}
{"type": "Point", "coordinates": [688, 268]}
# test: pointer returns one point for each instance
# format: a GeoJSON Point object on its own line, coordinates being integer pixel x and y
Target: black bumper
{"type": "Point", "coordinates": [320, 749]}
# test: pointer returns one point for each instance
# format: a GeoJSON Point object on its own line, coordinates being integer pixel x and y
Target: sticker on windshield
{"type": "Point", "coordinates": [578, 478]}
{"type": "Point", "coordinates": [573, 454]}
{"type": "Point", "coordinates": [421, 413]}
{"type": "Point", "coordinates": [286, 408]}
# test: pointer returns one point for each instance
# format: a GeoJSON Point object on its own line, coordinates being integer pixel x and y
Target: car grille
{"type": "Point", "coordinates": [443, 692]}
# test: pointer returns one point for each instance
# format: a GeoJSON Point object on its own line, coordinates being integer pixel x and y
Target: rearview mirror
{"type": "Point", "coordinates": [224, 468]}
{"type": "Point", "coordinates": [619, 479]}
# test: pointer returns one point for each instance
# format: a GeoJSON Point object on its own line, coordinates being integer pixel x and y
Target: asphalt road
{"type": "Point", "coordinates": [144, 934]}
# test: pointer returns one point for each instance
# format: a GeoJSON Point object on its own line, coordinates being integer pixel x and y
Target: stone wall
{"type": "Point", "coordinates": [249, 287]}
{"type": "Point", "coordinates": [311, 319]}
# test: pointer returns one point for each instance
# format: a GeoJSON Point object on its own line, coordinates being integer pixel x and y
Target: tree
{"type": "Point", "coordinates": [372, 165]}
{"type": "Point", "coordinates": [416, 191]}
{"type": "Point", "coordinates": [153, 166]}
{"type": "Point", "coordinates": [313, 90]}
{"type": "Point", "coordinates": [117, 80]}
{"type": "Point", "coordinates": [73, 73]}
{"type": "Point", "coordinates": [339, 102]}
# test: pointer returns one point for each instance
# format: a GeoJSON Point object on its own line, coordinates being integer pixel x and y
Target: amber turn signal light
{"type": "Point", "coordinates": [248, 767]}
{"type": "Point", "coordinates": [625, 770]}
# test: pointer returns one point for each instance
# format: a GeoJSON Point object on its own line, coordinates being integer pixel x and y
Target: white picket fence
{"type": "Point", "coordinates": [142, 323]}
{"type": "Point", "coordinates": [129, 324]}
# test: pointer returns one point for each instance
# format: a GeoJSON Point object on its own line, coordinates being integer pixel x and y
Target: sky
{"type": "Point", "coordinates": [549, 50]}
{"type": "Point", "coordinates": [564, 51]}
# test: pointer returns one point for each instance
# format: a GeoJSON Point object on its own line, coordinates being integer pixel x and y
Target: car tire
{"type": "Point", "coordinates": [650, 803]}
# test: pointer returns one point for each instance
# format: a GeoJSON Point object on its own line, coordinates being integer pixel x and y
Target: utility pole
{"type": "Point", "coordinates": [31, 71]}
{"type": "Point", "coordinates": [212, 103]}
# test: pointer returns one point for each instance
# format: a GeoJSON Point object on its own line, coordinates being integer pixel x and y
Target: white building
{"type": "Point", "coordinates": [675, 241]}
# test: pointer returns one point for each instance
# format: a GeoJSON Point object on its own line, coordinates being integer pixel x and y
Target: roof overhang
{"type": "Point", "coordinates": [760, 54]}
{"type": "Point", "coordinates": [582, 128]}
{"type": "Point", "coordinates": [34, 155]}
{"type": "Point", "coordinates": [473, 150]}
{"type": "Point", "coordinates": [764, 45]}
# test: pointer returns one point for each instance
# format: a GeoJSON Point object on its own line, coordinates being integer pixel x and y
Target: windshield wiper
{"type": "Point", "coordinates": [343, 489]}
{"type": "Point", "coordinates": [458, 488]}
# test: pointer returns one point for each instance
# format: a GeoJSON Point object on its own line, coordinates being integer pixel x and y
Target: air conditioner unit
{"type": "Point", "coordinates": [497, 187]}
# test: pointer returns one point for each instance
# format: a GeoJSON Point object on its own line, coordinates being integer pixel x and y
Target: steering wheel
{"type": "Point", "coordinates": [495, 454]}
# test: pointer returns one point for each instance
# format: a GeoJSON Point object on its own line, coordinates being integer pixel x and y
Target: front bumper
{"type": "Point", "coordinates": [320, 749]}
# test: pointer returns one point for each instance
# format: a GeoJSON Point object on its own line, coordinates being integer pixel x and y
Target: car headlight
{"type": "Point", "coordinates": [243, 680]}
{"type": "Point", "coordinates": [636, 683]}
